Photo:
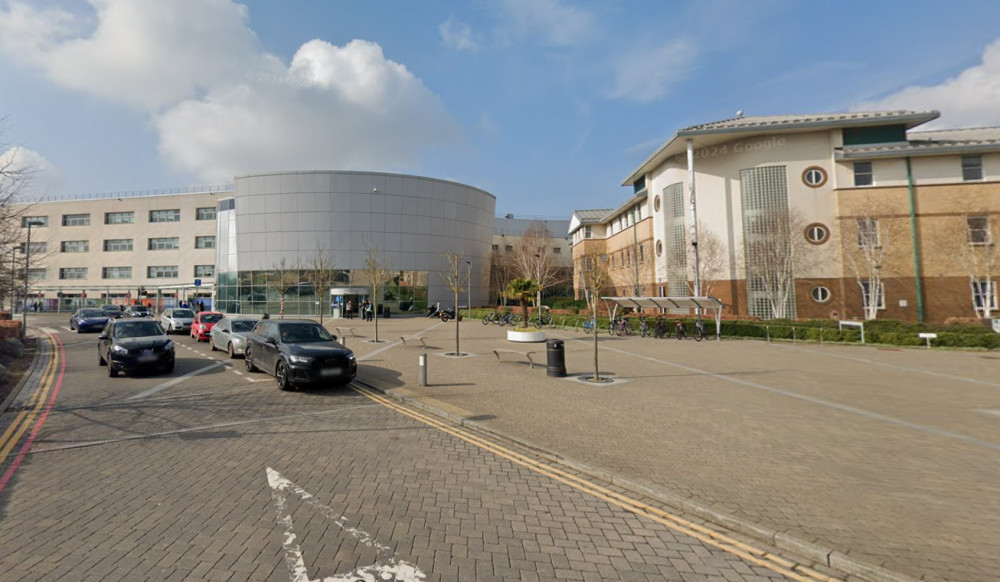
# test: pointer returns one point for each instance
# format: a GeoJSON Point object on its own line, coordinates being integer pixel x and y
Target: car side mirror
{"type": "Point", "coordinates": [334, 338]}
{"type": "Point", "coordinates": [272, 341]}
{"type": "Point", "coordinates": [103, 336]}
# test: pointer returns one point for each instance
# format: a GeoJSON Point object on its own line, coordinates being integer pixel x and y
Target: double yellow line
{"type": "Point", "coordinates": [704, 534]}
{"type": "Point", "coordinates": [36, 404]}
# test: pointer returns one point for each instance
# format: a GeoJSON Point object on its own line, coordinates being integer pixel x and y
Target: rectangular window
{"type": "Point", "coordinates": [36, 274]}
{"type": "Point", "coordinates": [978, 230]}
{"type": "Point", "coordinates": [207, 213]}
{"type": "Point", "coordinates": [119, 217]}
{"type": "Point", "coordinates": [75, 246]}
{"type": "Point", "coordinates": [116, 273]}
{"type": "Point", "coordinates": [972, 168]}
{"type": "Point", "coordinates": [76, 220]}
{"type": "Point", "coordinates": [557, 250]}
{"type": "Point", "coordinates": [863, 175]}
{"type": "Point", "coordinates": [169, 243]}
{"type": "Point", "coordinates": [509, 248]}
{"type": "Point", "coordinates": [73, 273]}
{"type": "Point", "coordinates": [117, 244]}
{"type": "Point", "coordinates": [868, 232]}
{"type": "Point", "coordinates": [204, 270]}
{"type": "Point", "coordinates": [866, 293]}
{"type": "Point", "coordinates": [35, 221]}
{"type": "Point", "coordinates": [161, 272]}
{"type": "Point", "coordinates": [228, 204]}
{"type": "Point", "coordinates": [587, 232]}
{"type": "Point", "coordinates": [496, 248]}
{"type": "Point", "coordinates": [172, 215]}
{"type": "Point", "coordinates": [642, 253]}
{"type": "Point", "coordinates": [983, 292]}
{"type": "Point", "coordinates": [36, 247]}
{"type": "Point", "coordinates": [204, 242]}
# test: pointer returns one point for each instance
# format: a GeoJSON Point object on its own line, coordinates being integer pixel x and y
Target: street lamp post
{"type": "Point", "coordinates": [470, 288]}
{"type": "Point", "coordinates": [27, 264]}
{"type": "Point", "coordinates": [538, 287]}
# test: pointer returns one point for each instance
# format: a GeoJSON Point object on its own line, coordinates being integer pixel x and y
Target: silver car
{"type": "Point", "coordinates": [177, 320]}
{"type": "Point", "coordinates": [230, 334]}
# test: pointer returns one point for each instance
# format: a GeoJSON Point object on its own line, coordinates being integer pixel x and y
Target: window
{"type": "Point", "coordinates": [161, 272]}
{"type": "Point", "coordinates": [73, 273]}
{"type": "Point", "coordinates": [168, 243]}
{"type": "Point", "coordinates": [117, 244]}
{"type": "Point", "coordinates": [863, 175]}
{"type": "Point", "coordinates": [116, 273]}
{"type": "Point", "coordinates": [557, 250]}
{"type": "Point", "coordinates": [587, 232]}
{"type": "Point", "coordinates": [972, 168]}
{"type": "Point", "coordinates": [173, 215]}
{"type": "Point", "coordinates": [35, 221]}
{"type": "Point", "coordinates": [228, 204]}
{"type": "Point", "coordinates": [817, 233]}
{"type": "Point", "coordinates": [814, 177]}
{"type": "Point", "coordinates": [656, 203]}
{"type": "Point", "coordinates": [868, 232]}
{"type": "Point", "coordinates": [36, 274]}
{"type": "Point", "coordinates": [119, 217]}
{"type": "Point", "coordinates": [496, 248]}
{"type": "Point", "coordinates": [204, 270]}
{"type": "Point", "coordinates": [642, 253]}
{"type": "Point", "coordinates": [207, 213]}
{"type": "Point", "coordinates": [659, 248]}
{"type": "Point", "coordinates": [76, 220]}
{"type": "Point", "coordinates": [36, 247]}
{"type": "Point", "coordinates": [978, 230]}
{"type": "Point", "coordinates": [509, 248]}
{"type": "Point", "coordinates": [866, 293]}
{"type": "Point", "coordinates": [983, 292]}
{"type": "Point", "coordinates": [820, 294]}
{"type": "Point", "coordinates": [75, 246]}
{"type": "Point", "coordinates": [204, 242]}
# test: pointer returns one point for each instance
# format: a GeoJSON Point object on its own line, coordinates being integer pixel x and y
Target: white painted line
{"type": "Point", "coordinates": [49, 330]}
{"type": "Point", "coordinates": [396, 343]}
{"type": "Point", "coordinates": [392, 569]}
{"type": "Point", "coordinates": [173, 382]}
{"type": "Point", "coordinates": [237, 372]}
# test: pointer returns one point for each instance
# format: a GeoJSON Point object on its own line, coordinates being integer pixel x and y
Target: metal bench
{"type": "Point", "coordinates": [531, 363]}
{"type": "Point", "coordinates": [423, 341]}
{"type": "Point", "coordinates": [350, 329]}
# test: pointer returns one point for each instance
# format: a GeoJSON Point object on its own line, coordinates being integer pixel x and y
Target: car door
{"type": "Point", "coordinates": [220, 334]}
{"type": "Point", "coordinates": [264, 347]}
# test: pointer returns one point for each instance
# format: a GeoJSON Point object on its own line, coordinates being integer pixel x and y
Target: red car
{"type": "Point", "coordinates": [203, 322]}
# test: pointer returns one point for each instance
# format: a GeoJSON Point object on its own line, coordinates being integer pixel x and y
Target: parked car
{"type": "Point", "coordinates": [203, 324]}
{"type": "Point", "coordinates": [230, 334]}
{"type": "Point", "coordinates": [178, 319]}
{"type": "Point", "coordinates": [88, 319]}
{"type": "Point", "coordinates": [127, 345]}
{"type": "Point", "coordinates": [112, 311]}
{"type": "Point", "coordinates": [299, 351]}
{"type": "Point", "coordinates": [137, 311]}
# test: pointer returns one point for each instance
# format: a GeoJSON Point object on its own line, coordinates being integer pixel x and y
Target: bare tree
{"type": "Point", "coordinates": [319, 270]}
{"type": "Point", "coordinates": [970, 241]}
{"type": "Point", "coordinates": [595, 277]}
{"type": "Point", "coordinates": [711, 259]}
{"type": "Point", "coordinates": [285, 276]}
{"type": "Point", "coordinates": [533, 259]}
{"type": "Point", "coordinates": [501, 274]}
{"type": "Point", "coordinates": [378, 270]}
{"type": "Point", "coordinates": [774, 248]}
{"type": "Point", "coordinates": [14, 179]}
{"type": "Point", "coordinates": [869, 241]}
{"type": "Point", "coordinates": [457, 281]}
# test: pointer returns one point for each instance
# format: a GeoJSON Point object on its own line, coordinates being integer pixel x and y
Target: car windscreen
{"type": "Point", "coordinates": [304, 332]}
{"type": "Point", "coordinates": [243, 325]}
{"type": "Point", "coordinates": [184, 313]}
{"type": "Point", "coordinates": [91, 313]}
{"type": "Point", "coordinates": [137, 329]}
{"type": "Point", "coordinates": [211, 317]}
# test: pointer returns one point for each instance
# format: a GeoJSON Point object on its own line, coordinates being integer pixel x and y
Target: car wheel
{"type": "Point", "coordinates": [168, 368]}
{"type": "Point", "coordinates": [232, 352]}
{"type": "Point", "coordinates": [248, 361]}
{"type": "Point", "coordinates": [211, 343]}
{"type": "Point", "coordinates": [100, 360]}
{"type": "Point", "coordinates": [281, 377]}
{"type": "Point", "coordinates": [112, 373]}
{"type": "Point", "coordinates": [79, 330]}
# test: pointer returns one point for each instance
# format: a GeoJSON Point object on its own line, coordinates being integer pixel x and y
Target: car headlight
{"type": "Point", "coordinates": [168, 346]}
{"type": "Point", "coordinates": [299, 359]}
{"type": "Point", "coordinates": [350, 357]}
{"type": "Point", "coordinates": [119, 350]}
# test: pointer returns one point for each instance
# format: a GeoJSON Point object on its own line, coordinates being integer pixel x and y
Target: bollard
{"type": "Point", "coordinates": [422, 363]}
{"type": "Point", "coordinates": [556, 361]}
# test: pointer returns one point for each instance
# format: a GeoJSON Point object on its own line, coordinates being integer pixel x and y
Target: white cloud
{"type": "Point", "coordinates": [965, 100]}
{"type": "Point", "coordinates": [649, 74]}
{"type": "Point", "coordinates": [457, 35]}
{"type": "Point", "coordinates": [550, 21]}
{"type": "Point", "coordinates": [40, 176]}
{"type": "Point", "coordinates": [336, 107]}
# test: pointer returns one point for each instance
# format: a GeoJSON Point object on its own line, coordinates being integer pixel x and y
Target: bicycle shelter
{"type": "Point", "coordinates": [699, 303]}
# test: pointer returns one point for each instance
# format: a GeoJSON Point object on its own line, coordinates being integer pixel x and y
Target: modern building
{"type": "Point", "coordinates": [225, 246]}
{"type": "Point", "coordinates": [848, 215]}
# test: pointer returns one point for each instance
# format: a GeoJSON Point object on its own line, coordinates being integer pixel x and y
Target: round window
{"type": "Point", "coordinates": [820, 294]}
{"type": "Point", "coordinates": [659, 247]}
{"type": "Point", "coordinates": [817, 233]}
{"type": "Point", "coordinates": [656, 203]}
{"type": "Point", "coordinates": [814, 176]}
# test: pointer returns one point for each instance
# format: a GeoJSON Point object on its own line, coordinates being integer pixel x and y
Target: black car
{"type": "Point", "coordinates": [88, 319]}
{"type": "Point", "coordinates": [126, 345]}
{"type": "Point", "coordinates": [137, 311]}
{"type": "Point", "coordinates": [299, 351]}
{"type": "Point", "coordinates": [112, 311]}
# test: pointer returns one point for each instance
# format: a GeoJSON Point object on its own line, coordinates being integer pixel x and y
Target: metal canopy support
{"type": "Point", "coordinates": [700, 303]}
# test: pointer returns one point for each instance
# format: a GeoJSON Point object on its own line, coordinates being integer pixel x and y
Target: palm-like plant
{"type": "Point", "coordinates": [522, 291]}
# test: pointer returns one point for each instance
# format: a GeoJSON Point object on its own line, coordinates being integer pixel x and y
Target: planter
{"type": "Point", "coordinates": [529, 336]}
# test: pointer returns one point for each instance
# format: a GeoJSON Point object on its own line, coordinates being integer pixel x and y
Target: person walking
{"type": "Point", "coordinates": [347, 310]}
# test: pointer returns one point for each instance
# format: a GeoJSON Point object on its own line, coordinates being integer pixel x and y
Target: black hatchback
{"type": "Point", "coordinates": [126, 345]}
{"type": "Point", "coordinates": [299, 351]}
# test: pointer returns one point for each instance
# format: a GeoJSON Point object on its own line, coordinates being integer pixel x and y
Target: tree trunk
{"type": "Point", "coordinates": [457, 314]}
{"type": "Point", "coordinates": [597, 375]}
{"type": "Point", "coordinates": [374, 312]}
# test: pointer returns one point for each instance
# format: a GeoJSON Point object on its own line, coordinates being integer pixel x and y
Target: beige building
{"type": "Point", "coordinates": [852, 215]}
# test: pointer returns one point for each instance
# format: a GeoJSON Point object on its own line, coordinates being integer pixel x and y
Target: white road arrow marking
{"type": "Point", "coordinates": [391, 570]}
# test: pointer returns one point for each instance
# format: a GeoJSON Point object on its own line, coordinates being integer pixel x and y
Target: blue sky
{"type": "Point", "coordinates": [548, 104]}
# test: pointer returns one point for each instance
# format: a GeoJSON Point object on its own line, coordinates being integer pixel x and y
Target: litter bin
{"type": "Point", "coordinates": [556, 362]}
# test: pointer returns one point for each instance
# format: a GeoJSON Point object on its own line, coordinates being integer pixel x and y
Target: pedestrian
{"type": "Point", "coordinates": [347, 309]}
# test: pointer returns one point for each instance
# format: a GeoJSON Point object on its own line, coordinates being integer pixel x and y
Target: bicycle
{"type": "Point", "coordinates": [679, 330]}
{"type": "Point", "coordinates": [660, 328]}
{"type": "Point", "coordinates": [543, 320]}
{"type": "Point", "coordinates": [588, 325]}
{"type": "Point", "coordinates": [619, 326]}
{"type": "Point", "coordinates": [644, 327]}
{"type": "Point", "coordinates": [494, 317]}
{"type": "Point", "coordinates": [699, 330]}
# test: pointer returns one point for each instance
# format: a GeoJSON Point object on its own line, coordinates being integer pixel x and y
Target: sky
{"type": "Point", "coordinates": [547, 104]}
